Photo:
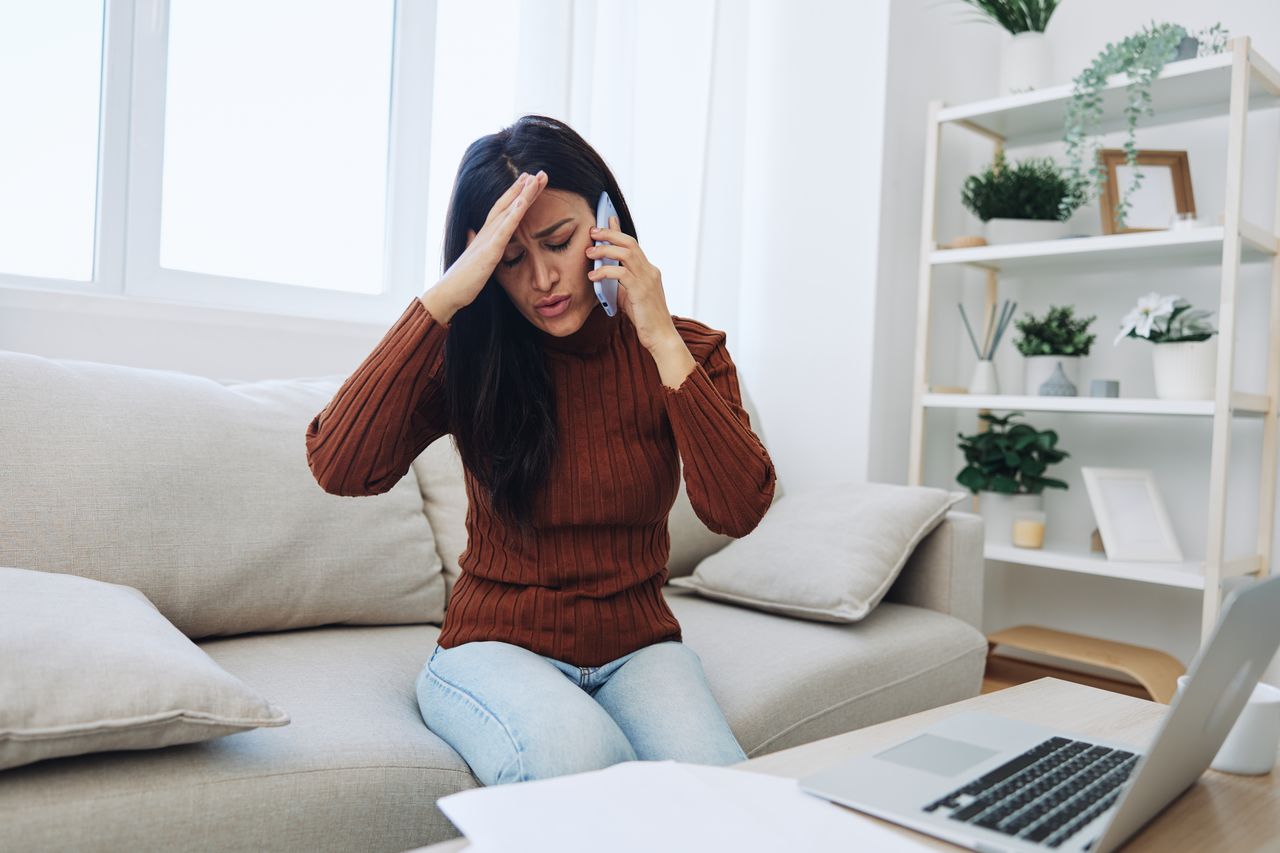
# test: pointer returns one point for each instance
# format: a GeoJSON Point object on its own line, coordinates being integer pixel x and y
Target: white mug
{"type": "Point", "coordinates": [1250, 747]}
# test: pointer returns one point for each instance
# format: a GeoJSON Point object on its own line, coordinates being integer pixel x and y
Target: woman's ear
{"type": "Point", "coordinates": [471, 235]}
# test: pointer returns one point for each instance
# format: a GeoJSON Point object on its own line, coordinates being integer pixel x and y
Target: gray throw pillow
{"type": "Point", "coordinates": [828, 553]}
{"type": "Point", "coordinates": [91, 666]}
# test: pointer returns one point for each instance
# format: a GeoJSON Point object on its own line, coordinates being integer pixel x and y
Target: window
{"type": "Point", "coordinates": [50, 80]}
{"type": "Point", "coordinates": [276, 140]}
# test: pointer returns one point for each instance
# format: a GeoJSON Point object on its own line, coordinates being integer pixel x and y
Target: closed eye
{"type": "Point", "coordinates": [556, 248]}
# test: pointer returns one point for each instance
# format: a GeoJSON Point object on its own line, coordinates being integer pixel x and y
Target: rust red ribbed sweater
{"type": "Point", "coordinates": [585, 586]}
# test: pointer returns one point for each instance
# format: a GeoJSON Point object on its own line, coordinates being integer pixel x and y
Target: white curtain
{"type": "Point", "coordinates": [651, 85]}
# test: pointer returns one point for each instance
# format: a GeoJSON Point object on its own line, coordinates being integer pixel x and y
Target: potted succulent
{"type": "Point", "coordinates": [1057, 338]}
{"type": "Point", "coordinates": [1186, 356]}
{"type": "Point", "coordinates": [1025, 201]}
{"type": "Point", "coordinates": [1141, 56]}
{"type": "Point", "coordinates": [1025, 59]}
{"type": "Point", "coordinates": [1005, 466]}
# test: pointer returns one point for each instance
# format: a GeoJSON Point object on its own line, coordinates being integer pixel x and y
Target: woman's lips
{"type": "Point", "coordinates": [555, 309]}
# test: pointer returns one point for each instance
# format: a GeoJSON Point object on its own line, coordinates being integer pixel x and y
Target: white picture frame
{"type": "Point", "coordinates": [1131, 515]}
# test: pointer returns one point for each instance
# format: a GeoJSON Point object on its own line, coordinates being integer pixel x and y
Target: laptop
{"type": "Point", "coordinates": [991, 783]}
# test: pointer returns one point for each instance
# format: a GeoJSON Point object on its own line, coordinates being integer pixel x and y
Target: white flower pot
{"type": "Point", "coordinates": [1000, 231]}
{"type": "Point", "coordinates": [1185, 370]}
{"type": "Point", "coordinates": [998, 509]}
{"type": "Point", "coordinates": [1038, 368]}
{"type": "Point", "coordinates": [1025, 63]}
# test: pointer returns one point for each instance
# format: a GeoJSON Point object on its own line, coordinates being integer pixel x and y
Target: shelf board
{"type": "Point", "coordinates": [1111, 252]}
{"type": "Point", "coordinates": [1242, 404]}
{"type": "Point", "coordinates": [1185, 90]}
{"type": "Point", "coordinates": [1187, 575]}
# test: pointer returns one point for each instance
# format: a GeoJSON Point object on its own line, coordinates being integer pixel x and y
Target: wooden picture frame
{"type": "Point", "coordinates": [1156, 189]}
{"type": "Point", "coordinates": [1131, 516]}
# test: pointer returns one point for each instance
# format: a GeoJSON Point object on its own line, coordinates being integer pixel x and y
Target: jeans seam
{"type": "Point", "coordinates": [476, 701]}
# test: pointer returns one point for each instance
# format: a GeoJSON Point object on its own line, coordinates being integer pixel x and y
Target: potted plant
{"type": "Point", "coordinates": [1025, 201]}
{"type": "Point", "coordinates": [1005, 466]}
{"type": "Point", "coordinates": [1186, 358]}
{"type": "Point", "coordinates": [1057, 338]}
{"type": "Point", "coordinates": [1025, 58]}
{"type": "Point", "coordinates": [1141, 56]}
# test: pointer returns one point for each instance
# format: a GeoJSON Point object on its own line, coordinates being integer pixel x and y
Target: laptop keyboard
{"type": "Point", "coordinates": [1045, 794]}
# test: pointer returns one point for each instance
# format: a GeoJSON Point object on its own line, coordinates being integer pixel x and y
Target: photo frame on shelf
{"type": "Point", "coordinates": [1131, 515]}
{"type": "Point", "coordinates": [1165, 189]}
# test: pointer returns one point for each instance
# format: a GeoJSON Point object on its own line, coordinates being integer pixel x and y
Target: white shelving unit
{"type": "Point", "coordinates": [1228, 84]}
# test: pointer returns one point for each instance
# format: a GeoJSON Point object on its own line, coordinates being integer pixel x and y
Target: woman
{"type": "Point", "coordinates": [558, 653]}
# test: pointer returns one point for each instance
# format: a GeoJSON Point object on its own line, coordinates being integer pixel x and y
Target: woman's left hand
{"type": "Point", "coordinates": [640, 293]}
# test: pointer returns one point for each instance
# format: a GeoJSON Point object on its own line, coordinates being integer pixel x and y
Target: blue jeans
{"type": "Point", "coordinates": [515, 715]}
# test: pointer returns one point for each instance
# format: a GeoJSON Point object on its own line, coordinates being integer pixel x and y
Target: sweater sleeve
{"type": "Point", "coordinates": [727, 471]}
{"type": "Point", "coordinates": [386, 413]}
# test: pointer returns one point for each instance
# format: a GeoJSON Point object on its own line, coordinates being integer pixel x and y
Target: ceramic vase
{"type": "Point", "coordinates": [984, 379]}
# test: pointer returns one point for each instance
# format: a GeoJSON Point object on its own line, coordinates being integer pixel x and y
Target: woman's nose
{"type": "Point", "coordinates": [542, 271]}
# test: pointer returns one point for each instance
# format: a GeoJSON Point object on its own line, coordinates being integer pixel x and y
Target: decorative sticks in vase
{"type": "Point", "coordinates": [984, 379]}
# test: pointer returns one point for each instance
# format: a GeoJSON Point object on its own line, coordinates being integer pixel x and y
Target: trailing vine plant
{"type": "Point", "coordinates": [1141, 56]}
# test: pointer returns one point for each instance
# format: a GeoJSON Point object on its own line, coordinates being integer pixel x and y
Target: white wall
{"type": "Point", "coordinates": [810, 212]}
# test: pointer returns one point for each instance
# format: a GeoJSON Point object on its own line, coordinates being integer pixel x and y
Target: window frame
{"type": "Point", "coordinates": [130, 170]}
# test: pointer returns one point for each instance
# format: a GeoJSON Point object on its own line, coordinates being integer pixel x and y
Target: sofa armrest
{"type": "Point", "coordinates": [945, 571]}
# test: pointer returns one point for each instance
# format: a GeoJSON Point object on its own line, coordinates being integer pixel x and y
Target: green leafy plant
{"type": "Point", "coordinates": [1141, 56]}
{"type": "Point", "coordinates": [1058, 332]}
{"type": "Point", "coordinates": [1017, 16]}
{"type": "Point", "coordinates": [1009, 458]}
{"type": "Point", "coordinates": [1181, 321]}
{"type": "Point", "coordinates": [1032, 189]}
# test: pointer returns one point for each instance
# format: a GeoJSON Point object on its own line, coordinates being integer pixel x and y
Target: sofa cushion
{"type": "Point", "coordinates": [829, 553]}
{"type": "Point", "coordinates": [92, 667]}
{"type": "Point", "coordinates": [783, 682]}
{"type": "Point", "coordinates": [357, 769]}
{"type": "Point", "coordinates": [198, 494]}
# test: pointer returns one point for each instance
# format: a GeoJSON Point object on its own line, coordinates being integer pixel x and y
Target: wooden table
{"type": "Point", "coordinates": [1220, 812]}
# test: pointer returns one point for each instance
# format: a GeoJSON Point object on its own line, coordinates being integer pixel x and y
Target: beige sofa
{"type": "Point", "coordinates": [197, 493]}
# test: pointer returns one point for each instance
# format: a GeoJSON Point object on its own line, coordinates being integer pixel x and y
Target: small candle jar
{"type": "Point", "coordinates": [1028, 529]}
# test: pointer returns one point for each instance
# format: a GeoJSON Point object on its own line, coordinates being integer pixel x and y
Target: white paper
{"type": "Point", "coordinates": [661, 805]}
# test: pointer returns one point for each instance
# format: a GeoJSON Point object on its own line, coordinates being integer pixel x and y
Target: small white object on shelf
{"type": "Point", "coordinates": [1025, 63]}
{"type": "Point", "coordinates": [1185, 370]}
{"type": "Point", "coordinates": [985, 380]}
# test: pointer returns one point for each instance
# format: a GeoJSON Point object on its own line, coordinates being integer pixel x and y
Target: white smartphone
{"type": "Point", "coordinates": [606, 288]}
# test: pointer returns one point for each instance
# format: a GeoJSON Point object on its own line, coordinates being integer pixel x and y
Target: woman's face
{"type": "Point", "coordinates": [546, 259]}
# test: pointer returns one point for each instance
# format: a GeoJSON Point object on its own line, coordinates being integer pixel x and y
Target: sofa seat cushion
{"type": "Point", "coordinates": [357, 769]}
{"type": "Point", "coordinates": [784, 681]}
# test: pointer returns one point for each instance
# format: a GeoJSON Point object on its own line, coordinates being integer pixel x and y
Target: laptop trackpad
{"type": "Point", "coordinates": [940, 755]}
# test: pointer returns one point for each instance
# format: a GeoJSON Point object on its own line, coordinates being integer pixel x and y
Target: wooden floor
{"type": "Point", "coordinates": [1005, 672]}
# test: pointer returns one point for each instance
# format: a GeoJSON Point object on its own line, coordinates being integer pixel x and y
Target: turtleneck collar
{"type": "Point", "coordinates": [594, 333]}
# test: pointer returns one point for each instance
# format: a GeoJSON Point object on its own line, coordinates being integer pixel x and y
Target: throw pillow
{"type": "Point", "coordinates": [827, 554]}
{"type": "Point", "coordinates": [197, 493]}
{"type": "Point", "coordinates": [92, 666]}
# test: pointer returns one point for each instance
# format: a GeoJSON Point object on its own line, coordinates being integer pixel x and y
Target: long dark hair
{"type": "Point", "coordinates": [501, 408]}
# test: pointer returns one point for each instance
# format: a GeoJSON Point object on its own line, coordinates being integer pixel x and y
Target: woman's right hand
{"type": "Point", "coordinates": [467, 276]}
